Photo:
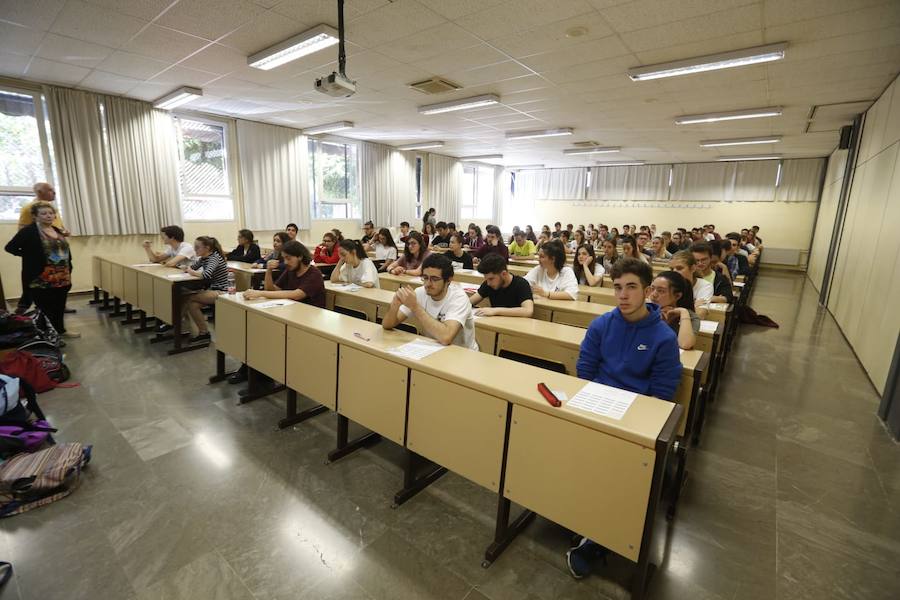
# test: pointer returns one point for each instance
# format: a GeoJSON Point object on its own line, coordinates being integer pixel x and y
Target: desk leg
{"type": "Point", "coordinates": [220, 375]}
{"type": "Point", "coordinates": [117, 308]}
{"type": "Point", "coordinates": [143, 327]}
{"type": "Point", "coordinates": [129, 315]}
{"type": "Point", "coordinates": [96, 298]}
{"type": "Point", "coordinates": [105, 305]}
{"type": "Point", "coordinates": [505, 532]}
{"type": "Point", "coordinates": [680, 475]}
{"type": "Point", "coordinates": [255, 389]}
{"type": "Point", "coordinates": [345, 446]}
{"type": "Point", "coordinates": [413, 483]}
{"type": "Point", "coordinates": [292, 417]}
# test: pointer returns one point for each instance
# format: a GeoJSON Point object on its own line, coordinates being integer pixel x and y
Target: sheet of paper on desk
{"type": "Point", "coordinates": [416, 350]}
{"type": "Point", "coordinates": [179, 276]}
{"type": "Point", "coordinates": [718, 306]}
{"type": "Point", "coordinates": [146, 265]}
{"type": "Point", "coordinates": [708, 326]}
{"type": "Point", "coordinates": [603, 400]}
{"type": "Point", "coordinates": [352, 287]}
{"type": "Point", "coordinates": [273, 303]}
{"type": "Point", "coordinates": [738, 284]}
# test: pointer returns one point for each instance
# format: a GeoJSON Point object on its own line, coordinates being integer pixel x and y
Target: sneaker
{"type": "Point", "coordinates": [581, 558]}
{"type": "Point", "coordinates": [71, 335]}
{"type": "Point", "coordinates": [200, 338]}
{"type": "Point", "coordinates": [239, 376]}
{"type": "Point", "coordinates": [163, 328]}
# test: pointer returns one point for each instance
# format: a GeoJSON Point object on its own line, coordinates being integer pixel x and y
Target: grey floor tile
{"type": "Point", "coordinates": [207, 576]}
{"type": "Point", "coordinates": [156, 438]}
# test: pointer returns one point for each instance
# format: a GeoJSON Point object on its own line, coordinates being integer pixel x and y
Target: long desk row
{"type": "Point", "coordinates": [484, 420]}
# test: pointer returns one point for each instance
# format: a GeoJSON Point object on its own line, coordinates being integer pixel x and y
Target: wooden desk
{"type": "Point", "coordinates": [245, 275]}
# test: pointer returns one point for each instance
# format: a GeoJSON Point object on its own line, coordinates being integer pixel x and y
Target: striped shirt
{"type": "Point", "coordinates": [214, 270]}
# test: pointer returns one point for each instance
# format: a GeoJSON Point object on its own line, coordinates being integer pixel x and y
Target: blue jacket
{"type": "Point", "coordinates": [640, 357]}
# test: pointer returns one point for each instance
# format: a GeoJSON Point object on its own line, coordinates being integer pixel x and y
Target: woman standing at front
{"type": "Point", "coordinates": [46, 264]}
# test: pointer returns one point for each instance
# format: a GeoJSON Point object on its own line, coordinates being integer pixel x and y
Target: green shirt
{"type": "Point", "coordinates": [526, 250]}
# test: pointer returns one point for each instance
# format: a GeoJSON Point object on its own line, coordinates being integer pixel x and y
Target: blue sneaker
{"type": "Point", "coordinates": [581, 558]}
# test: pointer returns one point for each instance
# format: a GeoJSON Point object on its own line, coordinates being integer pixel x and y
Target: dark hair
{"type": "Point", "coordinates": [627, 239]}
{"type": "Point", "coordinates": [211, 243]}
{"type": "Point", "coordinates": [388, 238]}
{"type": "Point", "coordinates": [369, 224]}
{"type": "Point", "coordinates": [495, 230]}
{"type": "Point", "coordinates": [354, 246]}
{"type": "Point", "coordinates": [726, 244]}
{"type": "Point", "coordinates": [716, 247]}
{"type": "Point", "coordinates": [289, 225]}
{"type": "Point", "coordinates": [458, 236]}
{"type": "Point", "coordinates": [578, 267]}
{"type": "Point", "coordinates": [404, 223]}
{"type": "Point", "coordinates": [555, 251]}
{"type": "Point", "coordinates": [635, 267]}
{"type": "Point", "coordinates": [441, 225]}
{"type": "Point", "coordinates": [425, 228]}
{"type": "Point", "coordinates": [492, 263]}
{"type": "Point", "coordinates": [423, 247]}
{"type": "Point", "coordinates": [734, 235]}
{"type": "Point", "coordinates": [439, 261]}
{"type": "Point", "coordinates": [334, 239]}
{"type": "Point", "coordinates": [702, 248]}
{"type": "Point", "coordinates": [338, 236]}
{"type": "Point", "coordinates": [298, 250]}
{"type": "Point", "coordinates": [681, 286]}
{"type": "Point", "coordinates": [557, 224]}
{"type": "Point", "coordinates": [174, 231]}
{"type": "Point", "coordinates": [246, 234]}
{"type": "Point", "coordinates": [451, 225]}
{"type": "Point", "coordinates": [686, 256]}
{"type": "Point", "coordinates": [283, 236]}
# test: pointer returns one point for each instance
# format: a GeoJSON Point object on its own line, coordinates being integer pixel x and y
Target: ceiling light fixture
{"type": "Point", "coordinates": [182, 95]}
{"type": "Point", "coordinates": [520, 167]}
{"type": "Point", "coordinates": [311, 40]}
{"type": "Point", "coordinates": [481, 158]}
{"type": "Point", "coordinates": [540, 133]}
{"type": "Point", "coordinates": [751, 113]}
{"type": "Point", "coordinates": [592, 150]}
{"type": "Point", "coordinates": [767, 139]}
{"type": "Point", "coordinates": [750, 157]}
{"type": "Point", "coordinates": [710, 62]}
{"type": "Point", "coordinates": [622, 163]}
{"type": "Point", "coordinates": [328, 128]}
{"type": "Point", "coordinates": [461, 104]}
{"type": "Point", "coordinates": [421, 146]}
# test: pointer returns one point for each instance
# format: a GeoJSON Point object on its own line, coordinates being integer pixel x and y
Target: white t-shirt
{"type": "Point", "coordinates": [184, 249]}
{"type": "Point", "coordinates": [383, 252]}
{"type": "Point", "coordinates": [563, 282]}
{"type": "Point", "coordinates": [598, 272]}
{"type": "Point", "coordinates": [703, 290]}
{"type": "Point", "coordinates": [364, 272]}
{"type": "Point", "coordinates": [454, 306]}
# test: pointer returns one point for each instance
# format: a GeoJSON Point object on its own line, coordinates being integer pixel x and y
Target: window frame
{"type": "Point", "coordinates": [37, 99]}
{"type": "Point", "coordinates": [226, 161]}
{"type": "Point", "coordinates": [476, 169]}
{"type": "Point", "coordinates": [315, 182]}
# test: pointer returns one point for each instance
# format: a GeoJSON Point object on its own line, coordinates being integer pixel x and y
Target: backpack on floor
{"type": "Point", "coordinates": [28, 481]}
{"type": "Point", "coordinates": [23, 426]}
{"type": "Point", "coordinates": [45, 329]}
{"type": "Point", "coordinates": [39, 364]}
{"type": "Point", "coordinates": [750, 317]}
{"type": "Point", "coordinates": [50, 357]}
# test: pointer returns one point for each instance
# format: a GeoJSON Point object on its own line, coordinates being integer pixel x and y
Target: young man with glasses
{"type": "Point", "coordinates": [442, 310]}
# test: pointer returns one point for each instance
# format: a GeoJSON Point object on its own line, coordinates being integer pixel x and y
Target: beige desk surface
{"type": "Point", "coordinates": [157, 271]}
{"type": "Point", "coordinates": [235, 265]}
{"type": "Point", "coordinates": [475, 370]}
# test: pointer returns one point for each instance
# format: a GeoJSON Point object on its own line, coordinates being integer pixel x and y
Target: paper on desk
{"type": "Point", "coordinates": [563, 397]}
{"type": "Point", "coordinates": [603, 400]}
{"type": "Point", "coordinates": [352, 287]}
{"type": "Point", "coordinates": [273, 303]}
{"type": "Point", "coordinates": [708, 326]}
{"type": "Point", "coordinates": [718, 306]}
{"type": "Point", "coordinates": [738, 284]}
{"type": "Point", "coordinates": [179, 276]}
{"type": "Point", "coordinates": [416, 350]}
{"type": "Point", "coordinates": [146, 265]}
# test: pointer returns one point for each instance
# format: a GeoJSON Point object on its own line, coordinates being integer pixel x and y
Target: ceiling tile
{"type": "Point", "coordinates": [37, 14]}
{"type": "Point", "coordinates": [109, 83]}
{"type": "Point", "coordinates": [149, 90]}
{"type": "Point", "coordinates": [747, 39]}
{"type": "Point", "coordinates": [472, 57]}
{"type": "Point", "coordinates": [132, 65]}
{"type": "Point", "coordinates": [490, 74]}
{"type": "Point", "coordinates": [179, 76]}
{"type": "Point", "coordinates": [391, 22]}
{"type": "Point", "coordinates": [264, 31]}
{"type": "Point", "coordinates": [600, 68]}
{"type": "Point", "coordinates": [164, 44]}
{"type": "Point", "coordinates": [709, 26]}
{"type": "Point", "coordinates": [95, 24]}
{"type": "Point", "coordinates": [146, 10]}
{"type": "Point", "coordinates": [16, 39]}
{"type": "Point", "coordinates": [642, 14]}
{"type": "Point", "coordinates": [519, 16]}
{"type": "Point", "coordinates": [577, 54]}
{"type": "Point", "coordinates": [55, 72]}
{"type": "Point", "coordinates": [866, 19]}
{"type": "Point", "coordinates": [780, 12]}
{"type": "Point", "coordinates": [13, 64]}
{"type": "Point", "coordinates": [313, 12]}
{"type": "Point", "coordinates": [552, 37]}
{"type": "Point", "coordinates": [459, 8]}
{"type": "Point", "coordinates": [431, 42]}
{"type": "Point", "coordinates": [216, 58]}
{"type": "Point", "coordinates": [209, 19]}
{"type": "Point", "coordinates": [72, 51]}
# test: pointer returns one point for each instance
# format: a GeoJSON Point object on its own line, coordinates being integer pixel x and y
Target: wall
{"type": "Point", "coordinates": [866, 280]}
{"type": "Point", "coordinates": [818, 255]}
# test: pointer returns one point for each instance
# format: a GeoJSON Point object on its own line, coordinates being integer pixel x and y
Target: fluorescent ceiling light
{"type": "Point", "coordinates": [461, 104]}
{"type": "Point", "coordinates": [750, 157]}
{"type": "Point", "coordinates": [710, 62]}
{"type": "Point", "coordinates": [524, 135]}
{"type": "Point", "coordinates": [751, 113]}
{"type": "Point", "coordinates": [621, 163]}
{"type": "Point", "coordinates": [328, 127]}
{"type": "Point", "coordinates": [182, 95]}
{"type": "Point", "coordinates": [519, 167]}
{"type": "Point", "coordinates": [481, 158]}
{"type": "Point", "coordinates": [766, 139]}
{"type": "Point", "coordinates": [422, 146]}
{"type": "Point", "coordinates": [311, 40]}
{"type": "Point", "coordinates": [592, 150]}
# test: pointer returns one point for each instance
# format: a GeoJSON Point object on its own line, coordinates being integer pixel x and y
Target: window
{"type": "Point", "coordinates": [23, 148]}
{"type": "Point", "coordinates": [203, 171]}
{"type": "Point", "coordinates": [477, 196]}
{"type": "Point", "coordinates": [419, 187]}
{"type": "Point", "coordinates": [333, 177]}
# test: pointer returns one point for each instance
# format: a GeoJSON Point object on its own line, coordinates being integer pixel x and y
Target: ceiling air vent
{"type": "Point", "coordinates": [586, 144]}
{"type": "Point", "coordinates": [435, 85]}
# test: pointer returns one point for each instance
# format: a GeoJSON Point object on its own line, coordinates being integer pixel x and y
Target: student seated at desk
{"type": "Point", "coordinates": [703, 252]}
{"type": "Point", "coordinates": [630, 250]}
{"type": "Point", "coordinates": [521, 245]}
{"type": "Point", "coordinates": [212, 268]}
{"type": "Point", "coordinates": [473, 238]}
{"type": "Point", "coordinates": [326, 253]}
{"type": "Point", "coordinates": [630, 348]}
{"type": "Point", "coordinates": [177, 250]}
{"type": "Point", "coordinates": [588, 271]}
{"type": "Point", "coordinates": [684, 264]}
{"type": "Point", "coordinates": [355, 266]}
{"type": "Point", "coordinates": [247, 250]}
{"type": "Point", "coordinates": [368, 232]}
{"type": "Point", "coordinates": [493, 245]}
{"type": "Point", "coordinates": [510, 295]}
{"type": "Point", "coordinates": [292, 230]}
{"type": "Point", "coordinates": [301, 281]}
{"type": "Point", "coordinates": [278, 240]}
{"type": "Point", "coordinates": [414, 253]}
{"type": "Point", "coordinates": [404, 231]}
{"type": "Point", "coordinates": [658, 250]}
{"type": "Point", "coordinates": [552, 279]}
{"type": "Point", "coordinates": [717, 259]}
{"type": "Point", "coordinates": [672, 293]}
{"type": "Point", "coordinates": [442, 310]}
{"type": "Point", "coordinates": [382, 244]}
{"type": "Point", "coordinates": [459, 258]}
{"type": "Point", "coordinates": [442, 239]}
{"type": "Point", "coordinates": [428, 233]}
{"type": "Point", "coordinates": [543, 239]}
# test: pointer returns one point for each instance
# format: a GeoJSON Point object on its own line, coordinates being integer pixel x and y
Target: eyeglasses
{"type": "Point", "coordinates": [432, 279]}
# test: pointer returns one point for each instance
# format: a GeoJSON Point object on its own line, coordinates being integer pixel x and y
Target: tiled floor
{"type": "Point", "coordinates": [793, 493]}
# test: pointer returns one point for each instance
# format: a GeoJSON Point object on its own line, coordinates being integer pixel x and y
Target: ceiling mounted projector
{"type": "Point", "coordinates": [338, 85]}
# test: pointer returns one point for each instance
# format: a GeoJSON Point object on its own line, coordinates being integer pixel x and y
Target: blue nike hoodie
{"type": "Point", "coordinates": [640, 357]}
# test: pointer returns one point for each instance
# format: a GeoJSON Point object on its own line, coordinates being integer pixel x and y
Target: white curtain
{"type": "Point", "coordinates": [144, 160]}
{"type": "Point", "coordinates": [755, 181]}
{"type": "Point", "coordinates": [387, 184]}
{"type": "Point", "coordinates": [81, 161]}
{"type": "Point", "coordinates": [531, 185]}
{"type": "Point", "coordinates": [567, 184]}
{"type": "Point", "coordinates": [443, 176]}
{"type": "Point", "coordinates": [801, 180]}
{"type": "Point", "coordinates": [502, 197]}
{"type": "Point", "coordinates": [645, 182]}
{"type": "Point", "coordinates": [705, 182]}
{"type": "Point", "coordinates": [274, 166]}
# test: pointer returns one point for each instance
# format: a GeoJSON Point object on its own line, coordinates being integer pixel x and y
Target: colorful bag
{"type": "Point", "coordinates": [27, 368]}
{"type": "Point", "coordinates": [50, 357]}
{"type": "Point", "coordinates": [31, 480]}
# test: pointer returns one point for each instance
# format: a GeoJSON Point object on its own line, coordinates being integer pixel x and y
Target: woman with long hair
{"type": "Point", "coordinates": [683, 263]}
{"type": "Point", "coordinates": [529, 234]}
{"type": "Point", "coordinates": [428, 233]}
{"type": "Point", "coordinates": [610, 254]}
{"type": "Point", "coordinates": [326, 253]}
{"type": "Point", "coordinates": [414, 254]}
{"type": "Point", "coordinates": [551, 278]}
{"type": "Point", "coordinates": [588, 270]}
{"type": "Point", "coordinates": [355, 266]}
{"type": "Point", "coordinates": [630, 249]}
{"type": "Point", "coordinates": [382, 243]}
{"type": "Point", "coordinates": [474, 238]}
{"type": "Point", "coordinates": [675, 298]}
